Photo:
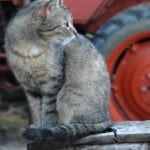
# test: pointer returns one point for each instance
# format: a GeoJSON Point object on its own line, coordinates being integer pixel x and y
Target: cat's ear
{"type": "Point", "coordinates": [58, 3]}
{"type": "Point", "coordinates": [46, 9]}
{"type": "Point", "coordinates": [43, 10]}
{"type": "Point", "coordinates": [61, 2]}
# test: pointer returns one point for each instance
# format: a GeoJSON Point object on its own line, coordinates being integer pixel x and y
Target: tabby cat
{"type": "Point", "coordinates": [82, 101]}
{"type": "Point", "coordinates": [64, 76]}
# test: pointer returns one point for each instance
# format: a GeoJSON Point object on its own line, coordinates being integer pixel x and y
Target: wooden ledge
{"type": "Point", "coordinates": [133, 135]}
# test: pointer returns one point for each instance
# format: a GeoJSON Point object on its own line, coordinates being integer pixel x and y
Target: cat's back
{"type": "Point", "coordinates": [80, 45]}
{"type": "Point", "coordinates": [84, 61]}
{"type": "Point", "coordinates": [87, 86]}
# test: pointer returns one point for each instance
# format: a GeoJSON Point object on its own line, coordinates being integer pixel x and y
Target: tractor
{"type": "Point", "coordinates": [120, 30]}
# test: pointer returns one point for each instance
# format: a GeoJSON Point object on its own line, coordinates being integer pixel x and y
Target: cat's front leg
{"type": "Point", "coordinates": [35, 109]}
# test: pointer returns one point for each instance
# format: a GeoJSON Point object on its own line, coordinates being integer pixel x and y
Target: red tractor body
{"type": "Point", "coordinates": [90, 15]}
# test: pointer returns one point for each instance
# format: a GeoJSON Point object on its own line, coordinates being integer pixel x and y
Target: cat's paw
{"type": "Point", "coordinates": [30, 133]}
{"type": "Point", "coordinates": [37, 134]}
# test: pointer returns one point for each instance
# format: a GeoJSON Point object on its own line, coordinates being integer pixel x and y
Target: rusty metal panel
{"type": "Point", "coordinates": [83, 10]}
{"type": "Point", "coordinates": [102, 15]}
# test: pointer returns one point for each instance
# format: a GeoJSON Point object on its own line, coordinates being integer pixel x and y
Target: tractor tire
{"type": "Point", "coordinates": [125, 43]}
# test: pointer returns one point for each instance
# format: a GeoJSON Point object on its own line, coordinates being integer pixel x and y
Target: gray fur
{"type": "Point", "coordinates": [65, 78]}
{"type": "Point", "coordinates": [82, 102]}
{"type": "Point", "coordinates": [32, 44]}
{"type": "Point", "coordinates": [85, 94]}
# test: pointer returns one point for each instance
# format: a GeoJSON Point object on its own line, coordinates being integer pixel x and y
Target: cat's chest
{"type": "Point", "coordinates": [35, 65]}
{"type": "Point", "coordinates": [30, 69]}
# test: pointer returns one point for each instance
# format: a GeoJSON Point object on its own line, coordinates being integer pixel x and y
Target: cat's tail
{"type": "Point", "coordinates": [68, 132]}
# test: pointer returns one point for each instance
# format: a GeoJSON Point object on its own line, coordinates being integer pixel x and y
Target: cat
{"type": "Point", "coordinates": [64, 76]}
{"type": "Point", "coordinates": [82, 102]}
{"type": "Point", "coordinates": [32, 45]}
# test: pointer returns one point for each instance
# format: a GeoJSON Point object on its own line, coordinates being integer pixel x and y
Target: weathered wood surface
{"type": "Point", "coordinates": [127, 135]}
{"type": "Point", "coordinates": [126, 146]}
{"type": "Point", "coordinates": [132, 132]}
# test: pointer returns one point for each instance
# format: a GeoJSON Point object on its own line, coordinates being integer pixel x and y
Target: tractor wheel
{"type": "Point", "coordinates": [125, 43]}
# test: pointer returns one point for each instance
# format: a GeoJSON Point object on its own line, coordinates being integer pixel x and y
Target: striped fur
{"type": "Point", "coordinates": [41, 55]}
{"type": "Point", "coordinates": [33, 46]}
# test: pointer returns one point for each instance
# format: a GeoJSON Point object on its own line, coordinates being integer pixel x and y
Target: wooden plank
{"type": "Point", "coordinates": [126, 146]}
{"type": "Point", "coordinates": [133, 132]}
{"type": "Point", "coordinates": [126, 135]}
{"type": "Point", "coordinates": [125, 132]}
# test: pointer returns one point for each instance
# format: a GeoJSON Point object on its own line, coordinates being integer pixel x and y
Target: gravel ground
{"type": "Point", "coordinates": [14, 119]}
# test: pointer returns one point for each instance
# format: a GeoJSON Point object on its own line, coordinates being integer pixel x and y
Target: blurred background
{"type": "Point", "coordinates": [13, 105]}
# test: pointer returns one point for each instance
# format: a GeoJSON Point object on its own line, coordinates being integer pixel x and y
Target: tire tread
{"type": "Point", "coordinates": [123, 19]}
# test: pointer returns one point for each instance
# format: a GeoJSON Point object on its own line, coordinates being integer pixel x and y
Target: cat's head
{"type": "Point", "coordinates": [56, 19]}
{"type": "Point", "coordinates": [48, 18]}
